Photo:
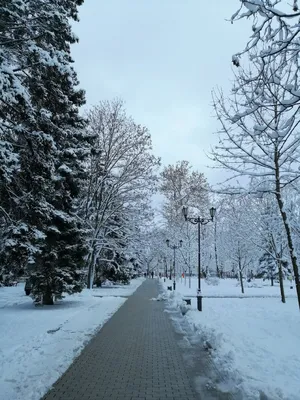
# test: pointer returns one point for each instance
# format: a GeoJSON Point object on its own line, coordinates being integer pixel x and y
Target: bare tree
{"type": "Point", "coordinates": [259, 137]}
{"type": "Point", "coordinates": [121, 175]}
{"type": "Point", "coordinates": [270, 237]}
{"type": "Point", "coordinates": [236, 234]}
{"type": "Point", "coordinates": [275, 34]}
{"type": "Point", "coordinates": [182, 186]}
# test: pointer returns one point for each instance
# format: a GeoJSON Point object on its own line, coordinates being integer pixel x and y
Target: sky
{"type": "Point", "coordinates": [163, 58]}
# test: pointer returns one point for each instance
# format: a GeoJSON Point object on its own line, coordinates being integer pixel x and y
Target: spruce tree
{"type": "Point", "coordinates": [15, 107]}
{"type": "Point", "coordinates": [51, 148]}
{"type": "Point", "coordinates": [267, 267]}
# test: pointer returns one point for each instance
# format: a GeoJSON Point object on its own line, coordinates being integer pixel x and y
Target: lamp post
{"type": "Point", "coordinates": [174, 247]}
{"type": "Point", "coordinates": [199, 221]}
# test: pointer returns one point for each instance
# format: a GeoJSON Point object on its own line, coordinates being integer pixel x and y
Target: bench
{"type": "Point", "coordinates": [169, 287]}
{"type": "Point", "coordinates": [188, 301]}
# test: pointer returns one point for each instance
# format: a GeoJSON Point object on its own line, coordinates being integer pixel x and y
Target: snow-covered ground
{"type": "Point", "coordinates": [232, 288]}
{"type": "Point", "coordinates": [37, 344]}
{"type": "Point", "coordinates": [255, 341]}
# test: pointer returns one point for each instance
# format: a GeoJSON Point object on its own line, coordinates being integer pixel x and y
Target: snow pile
{"type": "Point", "coordinates": [254, 342]}
{"type": "Point", "coordinates": [107, 282]}
{"type": "Point", "coordinates": [39, 343]}
{"type": "Point", "coordinates": [212, 281]}
{"type": "Point", "coordinates": [184, 308]}
{"type": "Point", "coordinates": [161, 297]}
{"type": "Point", "coordinates": [118, 289]}
{"type": "Point", "coordinates": [254, 284]}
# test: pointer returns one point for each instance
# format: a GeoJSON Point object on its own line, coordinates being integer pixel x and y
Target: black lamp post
{"type": "Point", "coordinates": [199, 221]}
{"type": "Point", "coordinates": [174, 247]}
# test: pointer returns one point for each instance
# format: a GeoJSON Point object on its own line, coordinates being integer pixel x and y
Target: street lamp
{"type": "Point", "coordinates": [199, 221]}
{"type": "Point", "coordinates": [174, 247]}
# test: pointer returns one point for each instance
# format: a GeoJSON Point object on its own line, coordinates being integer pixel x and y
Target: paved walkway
{"type": "Point", "coordinates": [135, 356]}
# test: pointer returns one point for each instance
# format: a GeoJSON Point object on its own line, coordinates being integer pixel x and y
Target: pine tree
{"type": "Point", "coordinates": [267, 267]}
{"type": "Point", "coordinates": [51, 148]}
{"type": "Point", "coordinates": [14, 104]}
{"type": "Point", "coordinates": [64, 250]}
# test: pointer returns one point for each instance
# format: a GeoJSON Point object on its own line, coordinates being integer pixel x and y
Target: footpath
{"type": "Point", "coordinates": [135, 356]}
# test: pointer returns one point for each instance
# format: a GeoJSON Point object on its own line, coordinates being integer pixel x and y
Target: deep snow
{"type": "Point", "coordinates": [254, 342]}
{"type": "Point", "coordinates": [37, 344]}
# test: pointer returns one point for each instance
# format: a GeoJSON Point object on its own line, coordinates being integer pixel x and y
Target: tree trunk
{"type": "Point", "coordinates": [48, 297]}
{"type": "Point", "coordinates": [241, 280]}
{"type": "Point", "coordinates": [190, 270]}
{"type": "Point", "coordinates": [166, 269]}
{"type": "Point", "coordinates": [287, 229]}
{"type": "Point", "coordinates": [272, 280]}
{"type": "Point", "coordinates": [241, 276]}
{"type": "Point", "coordinates": [281, 280]}
{"type": "Point", "coordinates": [89, 277]}
{"type": "Point", "coordinates": [216, 252]}
{"type": "Point", "coordinates": [91, 271]}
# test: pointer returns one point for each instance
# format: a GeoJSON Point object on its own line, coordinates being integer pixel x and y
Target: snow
{"type": "Point", "coordinates": [39, 343]}
{"type": "Point", "coordinates": [118, 290]}
{"type": "Point", "coordinates": [260, 128]}
{"type": "Point", "coordinates": [253, 5]}
{"type": "Point", "coordinates": [254, 341]}
{"type": "Point", "coordinates": [290, 101]}
{"type": "Point", "coordinates": [232, 288]}
{"type": "Point", "coordinates": [65, 169]}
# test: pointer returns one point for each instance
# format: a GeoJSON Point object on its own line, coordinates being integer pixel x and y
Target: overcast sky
{"type": "Point", "coordinates": [163, 57]}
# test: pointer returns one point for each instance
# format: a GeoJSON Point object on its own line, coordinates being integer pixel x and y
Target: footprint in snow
{"type": "Point", "coordinates": [54, 330]}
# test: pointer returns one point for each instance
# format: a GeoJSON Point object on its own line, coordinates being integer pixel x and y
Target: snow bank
{"type": "Point", "coordinates": [37, 344]}
{"type": "Point", "coordinates": [254, 342]}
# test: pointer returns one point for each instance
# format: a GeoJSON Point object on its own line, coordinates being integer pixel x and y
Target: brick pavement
{"type": "Point", "coordinates": [135, 356]}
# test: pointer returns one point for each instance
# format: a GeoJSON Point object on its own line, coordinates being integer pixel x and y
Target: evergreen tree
{"type": "Point", "coordinates": [267, 267]}
{"type": "Point", "coordinates": [14, 104]}
{"type": "Point", "coordinates": [50, 146]}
